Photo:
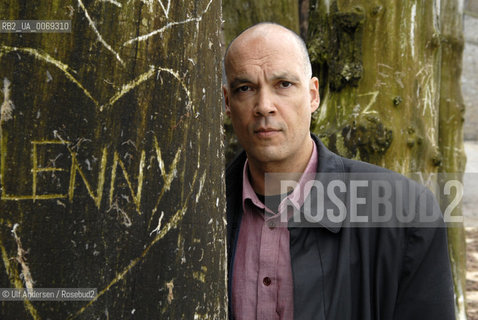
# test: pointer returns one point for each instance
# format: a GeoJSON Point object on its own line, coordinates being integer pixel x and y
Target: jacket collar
{"type": "Point", "coordinates": [329, 166]}
{"type": "Point", "coordinates": [328, 162]}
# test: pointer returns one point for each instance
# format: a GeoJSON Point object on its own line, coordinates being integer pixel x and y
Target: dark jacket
{"type": "Point", "coordinates": [357, 273]}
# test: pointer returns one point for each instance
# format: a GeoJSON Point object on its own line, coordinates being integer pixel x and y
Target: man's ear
{"type": "Point", "coordinates": [314, 94]}
{"type": "Point", "coordinates": [226, 100]}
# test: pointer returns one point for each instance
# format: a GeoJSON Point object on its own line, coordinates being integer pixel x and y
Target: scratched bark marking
{"type": "Point", "coordinates": [136, 197]}
{"type": "Point", "coordinates": [168, 26]}
{"type": "Point", "coordinates": [38, 54]}
{"type": "Point", "coordinates": [144, 37]}
{"type": "Point", "coordinates": [158, 227]}
{"type": "Point", "coordinates": [15, 280]}
{"type": "Point", "coordinates": [101, 178]}
{"type": "Point", "coordinates": [170, 286]}
{"type": "Point", "coordinates": [176, 172]}
{"type": "Point", "coordinates": [98, 34]}
{"type": "Point", "coordinates": [167, 176]}
{"type": "Point", "coordinates": [124, 89]}
{"type": "Point", "coordinates": [172, 171]}
{"type": "Point", "coordinates": [144, 77]}
{"type": "Point", "coordinates": [5, 115]}
{"type": "Point", "coordinates": [374, 95]}
{"type": "Point", "coordinates": [116, 3]}
{"type": "Point", "coordinates": [75, 168]}
{"type": "Point", "coordinates": [172, 223]}
{"type": "Point", "coordinates": [150, 3]}
{"type": "Point", "coordinates": [165, 9]}
{"type": "Point", "coordinates": [201, 185]}
{"type": "Point", "coordinates": [26, 274]}
{"type": "Point", "coordinates": [425, 77]}
{"type": "Point", "coordinates": [7, 105]}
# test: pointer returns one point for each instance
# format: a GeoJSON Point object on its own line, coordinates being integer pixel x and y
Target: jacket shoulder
{"type": "Point", "coordinates": [234, 174]}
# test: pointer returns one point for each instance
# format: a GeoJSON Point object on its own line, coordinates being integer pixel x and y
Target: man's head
{"type": "Point", "coordinates": [295, 37]}
{"type": "Point", "coordinates": [270, 95]}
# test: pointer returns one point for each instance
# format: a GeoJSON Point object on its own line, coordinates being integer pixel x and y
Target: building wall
{"type": "Point", "coordinates": [471, 5]}
{"type": "Point", "coordinates": [469, 77]}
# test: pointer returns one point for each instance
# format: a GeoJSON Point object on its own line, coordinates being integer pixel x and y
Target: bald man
{"type": "Point", "coordinates": [324, 271]}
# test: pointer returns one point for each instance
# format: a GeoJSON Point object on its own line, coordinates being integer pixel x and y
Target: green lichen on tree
{"type": "Point", "coordinates": [451, 121]}
{"type": "Point", "coordinates": [337, 46]}
{"type": "Point", "coordinates": [367, 138]}
{"type": "Point", "coordinates": [369, 69]}
{"type": "Point", "coordinates": [383, 100]}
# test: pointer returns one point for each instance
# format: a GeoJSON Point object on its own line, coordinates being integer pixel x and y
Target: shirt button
{"type": "Point", "coordinates": [267, 281]}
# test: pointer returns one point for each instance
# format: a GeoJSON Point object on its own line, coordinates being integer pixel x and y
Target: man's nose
{"type": "Point", "coordinates": [265, 103]}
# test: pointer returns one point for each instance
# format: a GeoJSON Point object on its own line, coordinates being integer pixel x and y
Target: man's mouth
{"type": "Point", "coordinates": [266, 132]}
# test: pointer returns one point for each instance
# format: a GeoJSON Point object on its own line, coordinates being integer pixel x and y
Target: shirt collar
{"type": "Point", "coordinates": [296, 197]}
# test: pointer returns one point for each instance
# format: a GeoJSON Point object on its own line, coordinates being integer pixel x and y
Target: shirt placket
{"type": "Point", "coordinates": [267, 278]}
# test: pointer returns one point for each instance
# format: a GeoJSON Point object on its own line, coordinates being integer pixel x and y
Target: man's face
{"type": "Point", "coordinates": [269, 98]}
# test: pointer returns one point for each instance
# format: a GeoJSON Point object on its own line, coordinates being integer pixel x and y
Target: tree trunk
{"type": "Point", "coordinates": [238, 15]}
{"type": "Point", "coordinates": [111, 160]}
{"type": "Point", "coordinates": [380, 66]}
{"type": "Point", "coordinates": [452, 111]}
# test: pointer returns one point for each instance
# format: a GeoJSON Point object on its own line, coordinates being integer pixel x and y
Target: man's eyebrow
{"type": "Point", "coordinates": [280, 76]}
{"type": "Point", "coordinates": [285, 76]}
{"type": "Point", "coordinates": [238, 81]}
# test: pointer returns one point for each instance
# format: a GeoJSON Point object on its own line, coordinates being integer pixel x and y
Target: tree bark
{"type": "Point", "coordinates": [390, 91]}
{"type": "Point", "coordinates": [239, 15]}
{"type": "Point", "coordinates": [378, 66]}
{"type": "Point", "coordinates": [452, 109]}
{"type": "Point", "coordinates": [111, 160]}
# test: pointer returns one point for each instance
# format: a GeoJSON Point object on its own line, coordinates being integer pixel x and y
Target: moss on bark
{"type": "Point", "coordinates": [389, 88]}
{"type": "Point", "coordinates": [452, 111]}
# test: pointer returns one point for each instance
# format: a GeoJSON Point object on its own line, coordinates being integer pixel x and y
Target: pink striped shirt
{"type": "Point", "coordinates": [262, 286]}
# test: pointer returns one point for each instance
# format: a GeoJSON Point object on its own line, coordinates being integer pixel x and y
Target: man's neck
{"type": "Point", "coordinates": [291, 169]}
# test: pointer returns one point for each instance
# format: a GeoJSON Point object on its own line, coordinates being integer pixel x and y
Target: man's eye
{"type": "Point", "coordinates": [243, 89]}
{"type": "Point", "coordinates": [285, 84]}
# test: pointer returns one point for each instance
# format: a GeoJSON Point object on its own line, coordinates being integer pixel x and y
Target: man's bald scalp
{"type": "Point", "coordinates": [265, 25]}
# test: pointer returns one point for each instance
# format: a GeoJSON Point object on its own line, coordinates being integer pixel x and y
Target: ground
{"type": "Point", "coordinates": [470, 211]}
{"type": "Point", "coordinates": [472, 273]}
